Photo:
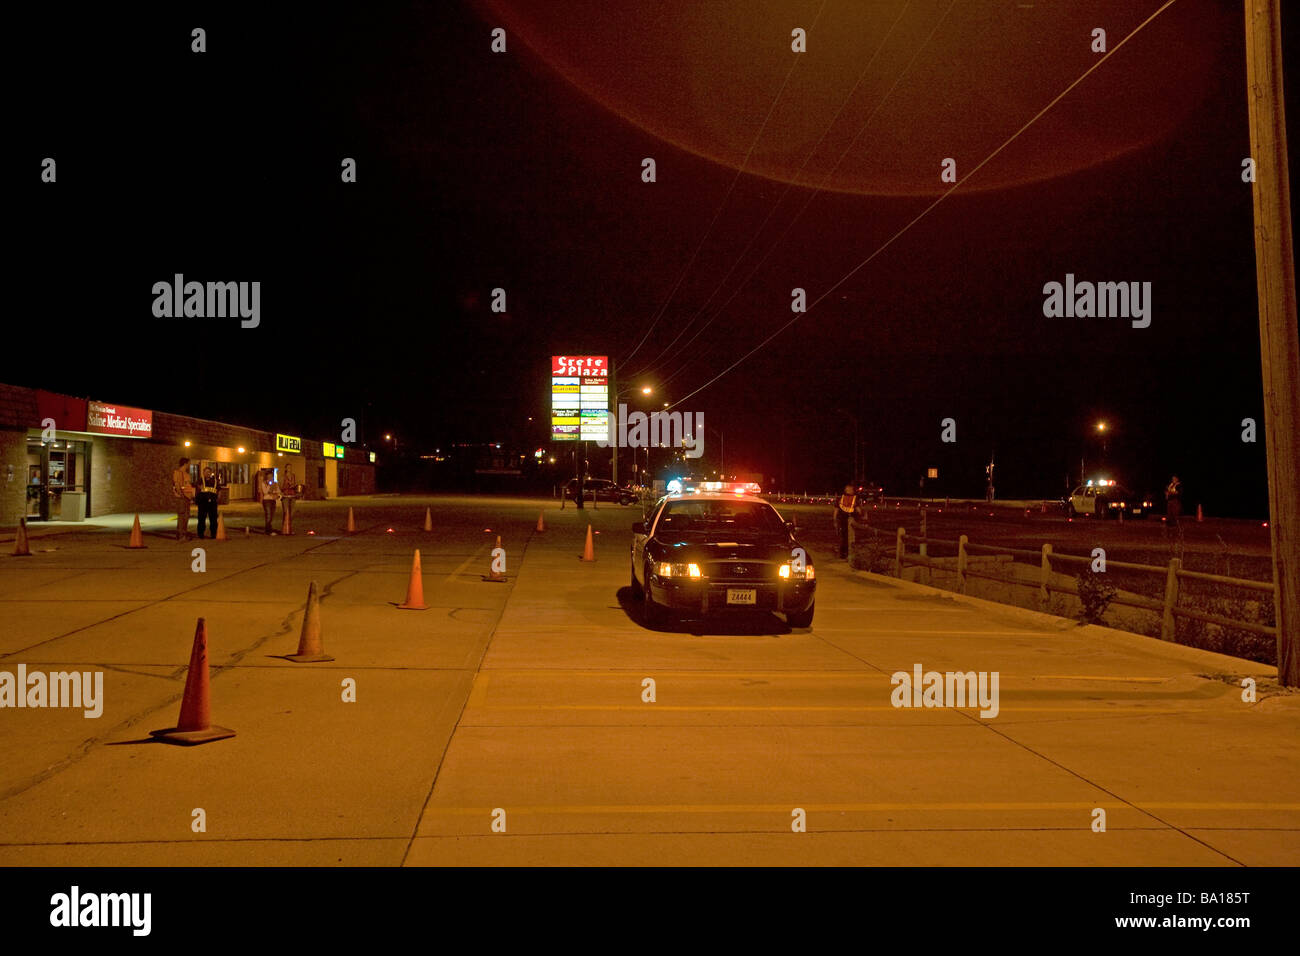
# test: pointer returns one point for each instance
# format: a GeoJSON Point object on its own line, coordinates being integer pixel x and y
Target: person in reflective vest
{"type": "Point", "coordinates": [846, 510]}
{"type": "Point", "coordinates": [209, 485]}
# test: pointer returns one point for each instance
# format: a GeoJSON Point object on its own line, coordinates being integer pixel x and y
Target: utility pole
{"type": "Point", "coordinates": [613, 394]}
{"type": "Point", "coordinates": [1280, 354]}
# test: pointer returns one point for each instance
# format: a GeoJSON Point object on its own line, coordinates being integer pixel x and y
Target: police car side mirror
{"type": "Point", "coordinates": [638, 527]}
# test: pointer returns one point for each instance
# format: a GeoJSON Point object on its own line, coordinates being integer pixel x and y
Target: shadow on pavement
{"type": "Point", "coordinates": [746, 622]}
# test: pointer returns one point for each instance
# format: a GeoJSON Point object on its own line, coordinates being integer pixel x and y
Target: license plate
{"type": "Point", "coordinates": [741, 595]}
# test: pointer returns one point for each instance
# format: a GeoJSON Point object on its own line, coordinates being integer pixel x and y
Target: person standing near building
{"type": "Point", "coordinates": [209, 485]}
{"type": "Point", "coordinates": [268, 489]}
{"type": "Point", "coordinates": [183, 492]}
{"type": "Point", "coordinates": [846, 509]}
{"type": "Point", "coordinates": [288, 492]}
{"type": "Point", "coordinates": [1174, 500]}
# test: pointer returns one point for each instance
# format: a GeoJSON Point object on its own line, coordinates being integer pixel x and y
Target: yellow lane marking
{"type": "Point", "coordinates": [478, 693]}
{"type": "Point", "coordinates": [650, 708]}
{"type": "Point", "coordinates": [463, 565]}
{"type": "Point", "coordinates": [1077, 806]}
{"type": "Point", "coordinates": [942, 633]}
{"type": "Point", "coordinates": [656, 672]}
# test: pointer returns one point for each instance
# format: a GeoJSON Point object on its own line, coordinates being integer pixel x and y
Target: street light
{"type": "Point", "coordinates": [1103, 430]}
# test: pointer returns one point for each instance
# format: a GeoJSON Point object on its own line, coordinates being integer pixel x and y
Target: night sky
{"type": "Point", "coordinates": [522, 170]}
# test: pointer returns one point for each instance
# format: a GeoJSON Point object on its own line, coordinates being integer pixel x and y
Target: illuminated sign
{"type": "Point", "coordinates": [372, 458]}
{"type": "Point", "coordinates": [579, 397]}
{"type": "Point", "coordinates": [289, 443]}
{"type": "Point", "coordinates": [327, 447]}
{"type": "Point", "coordinates": [339, 450]}
{"type": "Point", "coordinates": [102, 419]}
{"type": "Point", "coordinates": [932, 473]}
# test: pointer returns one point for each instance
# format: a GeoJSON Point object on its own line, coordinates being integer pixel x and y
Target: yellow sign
{"type": "Point", "coordinates": [290, 443]}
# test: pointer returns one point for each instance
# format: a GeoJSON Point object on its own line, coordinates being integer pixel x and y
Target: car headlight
{"type": "Point", "coordinates": [666, 570]}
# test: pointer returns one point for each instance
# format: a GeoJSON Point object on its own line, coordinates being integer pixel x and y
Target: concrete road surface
{"type": "Point", "coordinates": [510, 723]}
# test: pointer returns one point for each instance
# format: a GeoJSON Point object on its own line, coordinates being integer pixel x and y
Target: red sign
{"type": "Point", "coordinates": [104, 419]}
{"type": "Point", "coordinates": [67, 413]}
{"type": "Point", "coordinates": [587, 365]}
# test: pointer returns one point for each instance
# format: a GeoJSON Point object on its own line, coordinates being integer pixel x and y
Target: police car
{"type": "Point", "coordinates": [712, 552]}
{"type": "Point", "coordinates": [1104, 498]}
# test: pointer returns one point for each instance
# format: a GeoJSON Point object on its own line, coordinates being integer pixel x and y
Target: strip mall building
{"type": "Point", "coordinates": [68, 459]}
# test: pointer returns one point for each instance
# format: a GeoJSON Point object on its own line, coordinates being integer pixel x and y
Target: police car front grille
{"type": "Point", "coordinates": [740, 571]}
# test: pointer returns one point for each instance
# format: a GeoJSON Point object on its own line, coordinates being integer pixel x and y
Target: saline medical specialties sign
{"type": "Point", "coordinates": [579, 397]}
{"type": "Point", "coordinates": [102, 419]}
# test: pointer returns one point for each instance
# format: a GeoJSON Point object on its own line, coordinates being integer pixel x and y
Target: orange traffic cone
{"type": "Point", "coordinates": [1200, 515]}
{"type": "Point", "coordinates": [195, 724]}
{"type": "Point", "coordinates": [21, 547]}
{"type": "Point", "coordinates": [415, 589]}
{"type": "Point", "coordinates": [310, 649]}
{"type": "Point", "coordinates": [137, 539]}
{"type": "Point", "coordinates": [221, 529]}
{"type": "Point", "coordinates": [541, 521]}
{"type": "Point", "coordinates": [286, 526]}
{"type": "Point", "coordinates": [352, 522]}
{"type": "Point", "coordinates": [428, 519]}
{"type": "Point", "coordinates": [497, 563]}
{"type": "Point", "coordinates": [589, 552]}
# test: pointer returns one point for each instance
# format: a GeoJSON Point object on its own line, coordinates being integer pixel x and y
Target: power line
{"type": "Point", "coordinates": [651, 366]}
{"type": "Point", "coordinates": [843, 155]}
{"type": "Point", "coordinates": [924, 212]}
{"type": "Point", "coordinates": [739, 170]}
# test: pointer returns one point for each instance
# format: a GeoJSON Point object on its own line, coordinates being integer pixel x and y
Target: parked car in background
{"type": "Point", "coordinates": [600, 489]}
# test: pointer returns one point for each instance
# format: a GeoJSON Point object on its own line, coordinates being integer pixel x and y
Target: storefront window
{"type": "Point", "coordinates": [57, 473]}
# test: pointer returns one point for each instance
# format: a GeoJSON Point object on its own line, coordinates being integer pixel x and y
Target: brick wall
{"type": "Point", "coordinates": [140, 478]}
{"type": "Point", "coordinates": [13, 494]}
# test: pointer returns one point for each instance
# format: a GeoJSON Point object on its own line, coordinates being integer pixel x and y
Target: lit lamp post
{"type": "Point", "coordinates": [645, 390]}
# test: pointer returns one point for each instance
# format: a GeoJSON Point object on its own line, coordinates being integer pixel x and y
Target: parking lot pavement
{"type": "Point", "coordinates": [513, 723]}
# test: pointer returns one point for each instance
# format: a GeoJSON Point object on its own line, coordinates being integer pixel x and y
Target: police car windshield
{"type": "Point", "coordinates": [710, 516]}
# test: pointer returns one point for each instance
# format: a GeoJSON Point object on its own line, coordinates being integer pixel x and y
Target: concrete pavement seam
{"type": "Point", "coordinates": [415, 829]}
